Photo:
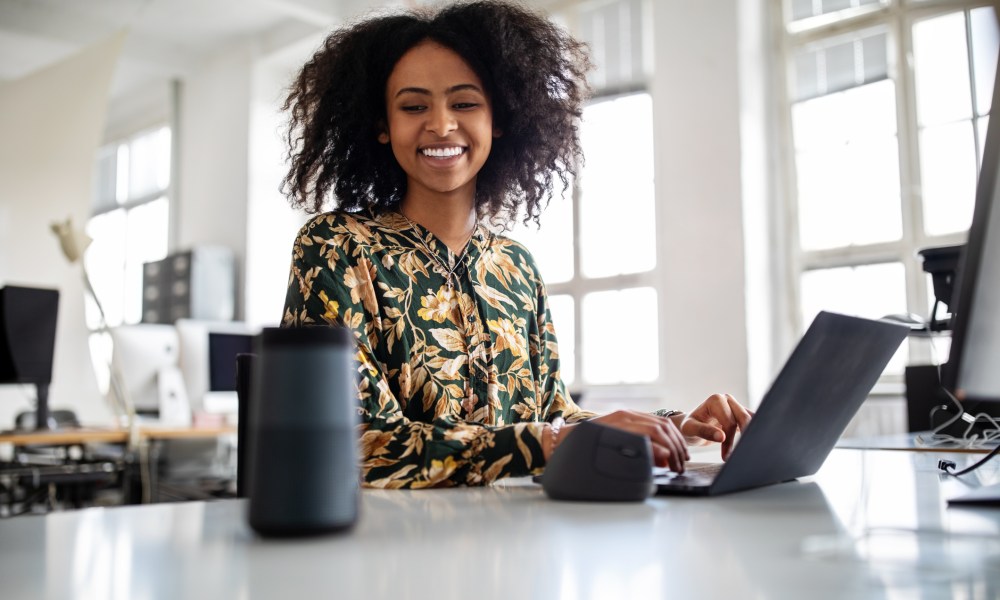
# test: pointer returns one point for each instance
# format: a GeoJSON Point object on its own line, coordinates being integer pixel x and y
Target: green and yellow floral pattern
{"type": "Point", "coordinates": [455, 381]}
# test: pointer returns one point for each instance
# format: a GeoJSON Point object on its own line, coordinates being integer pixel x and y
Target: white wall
{"type": "Point", "coordinates": [271, 222]}
{"type": "Point", "coordinates": [696, 99]}
{"type": "Point", "coordinates": [764, 230]}
{"type": "Point", "coordinates": [51, 123]}
{"type": "Point", "coordinates": [211, 195]}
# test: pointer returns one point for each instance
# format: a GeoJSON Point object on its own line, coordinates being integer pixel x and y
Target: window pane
{"type": "Point", "coordinates": [840, 118]}
{"type": "Point", "coordinates": [985, 46]}
{"type": "Point", "coordinates": [552, 243]}
{"type": "Point", "coordinates": [121, 178]}
{"type": "Point", "coordinates": [941, 70]}
{"type": "Point", "coordinates": [835, 65]}
{"type": "Point", "coordinates": [614, 32]}
{"type": "Point", "coordinates": [619, 336]}
{"type": "Point", "coordinates": [105, 260]}
{"type": "Point", "coordinates": [146, 242]}
{"type": "Point", "coordinates": [562, 309]}
{"type": "Point", "coordinates": [948, 174]}
{"type": "Point", "coordinates": [806, 9]}
{"type": "Point", "coordinates": [105, 179]}
{"type": "Point", "coordinates": [871, 291]}
{"type": "Point", "coordinates": [847, 168]}
{"type": "Point", "coordinates": [617, 217]}
{"type": "Point", "coordinates": [149, 168]}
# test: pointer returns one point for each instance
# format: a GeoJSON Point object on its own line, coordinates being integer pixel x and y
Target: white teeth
{"type": "Point", "coordinates": [442, 152]}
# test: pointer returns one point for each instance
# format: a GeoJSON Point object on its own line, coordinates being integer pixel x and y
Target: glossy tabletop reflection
{"type": "Point", "coordinates": [870, 524]}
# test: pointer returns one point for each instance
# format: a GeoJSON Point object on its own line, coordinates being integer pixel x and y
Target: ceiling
{"type": "Point", "coordinates": [167, 38]}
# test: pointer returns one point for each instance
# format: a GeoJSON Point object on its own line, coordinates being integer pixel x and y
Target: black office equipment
{"type": "Point", "coordinates": [818, 391]}
{"type": "Point", "coordinates": [972, 372]}
{"type": "Point", "coordinates": [600, 463]}
{"type": "Point", "coordinates": [194, 284]}
{"type": "Point", "coordinates": [27, 342]}
{"type": "Point", "coordinates": [973, 369]}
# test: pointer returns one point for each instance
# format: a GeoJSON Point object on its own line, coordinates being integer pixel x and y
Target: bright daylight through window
{"type": "Point", "coordinates": [596, 247]}
{"type": "Point", "coordinates": [129, 226]}
{"type": "Point", "coordinates": [888, 104]}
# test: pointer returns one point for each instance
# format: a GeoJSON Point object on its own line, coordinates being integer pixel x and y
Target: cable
{"type": "Point", "coordinates": [969, 439]}
{"type": "Point", "coordinates": [947, 465]}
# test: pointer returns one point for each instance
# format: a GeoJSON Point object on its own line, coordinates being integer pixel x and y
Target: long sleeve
{"type": "Point", "coordinates": [336, 279]}
{"type": "Point", "coordinates": [545, 352]}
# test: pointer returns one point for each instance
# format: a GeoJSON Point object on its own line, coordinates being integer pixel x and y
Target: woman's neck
{"type": "Point", "coordinates": [452, 220]}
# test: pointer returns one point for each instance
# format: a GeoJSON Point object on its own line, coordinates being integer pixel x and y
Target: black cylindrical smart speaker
{"type": "Point", "coordinates": [304, 475]}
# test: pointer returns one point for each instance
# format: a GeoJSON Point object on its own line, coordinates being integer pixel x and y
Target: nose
{"type": "Point", "coordinates": [441, 121]}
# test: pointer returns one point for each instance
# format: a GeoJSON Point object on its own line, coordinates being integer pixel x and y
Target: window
{"type": "Point", "coordinates": [129, 226]}
{"type": "Point", "coordinates": [885, 149]}
{"type": "Point", "coordinates": [596, 248]}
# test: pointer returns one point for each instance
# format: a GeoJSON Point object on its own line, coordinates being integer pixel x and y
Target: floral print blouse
{"type": "Point", "coordinates": [458, 361]}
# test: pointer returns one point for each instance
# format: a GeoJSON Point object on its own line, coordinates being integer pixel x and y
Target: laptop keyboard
{"type": "Point", "coordinates": [694, 472]}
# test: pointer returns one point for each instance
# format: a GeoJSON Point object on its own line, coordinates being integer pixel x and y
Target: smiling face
{"type": "Point", "coordinates": [439, 123]}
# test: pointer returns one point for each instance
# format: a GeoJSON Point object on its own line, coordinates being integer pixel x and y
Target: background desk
{"type": "Point", "coordinates": [869, 525]}
{"type": "Point", "coordinates": [76, 473]}
{"type": "Point", "coordinates": [69, 437]}
{"type": "Point", "coordinates": [911, 442]}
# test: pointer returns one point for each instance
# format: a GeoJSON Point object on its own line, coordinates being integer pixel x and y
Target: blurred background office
{"type": "Point", "coordinates": [749, 162]}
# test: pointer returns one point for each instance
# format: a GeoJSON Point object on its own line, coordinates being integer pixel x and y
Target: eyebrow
{"type": "Point", "coordinates": [455, 88]}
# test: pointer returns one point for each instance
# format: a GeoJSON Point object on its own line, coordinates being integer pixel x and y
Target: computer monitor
{"type": "Point", "coordinates": [222, 351]}
{"type": "Point", "coordinates": [145, 359]}
{"type": "Point", "coordinates": [973, 369]}
{"type": "Point", "coordinates": [208, 361]}
{"type": "Point", "coordinates": [27, 342]}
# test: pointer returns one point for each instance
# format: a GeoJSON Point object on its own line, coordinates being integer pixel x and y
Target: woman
{"type": "Point", "coordinates": [431, 129]}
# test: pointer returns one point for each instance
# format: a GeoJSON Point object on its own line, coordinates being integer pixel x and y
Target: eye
{"type": "Point", "coordinates": [465, 105]}
{"type": "Point", "coordinates": [412, 108]}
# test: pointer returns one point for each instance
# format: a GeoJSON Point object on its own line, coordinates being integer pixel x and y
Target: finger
{"type": "Point", "coordinates": [742, 414]}
{"type": "Point", "coordinates": [724, 415]}
{"type": "Point", "coordinates": [679, 441]}
{"type": "Point", "coordinates": [704, 431]}
{"type": "Point", "coordinates": [662, 457]}
{"type": "Point", "coordinates": [661, 435]}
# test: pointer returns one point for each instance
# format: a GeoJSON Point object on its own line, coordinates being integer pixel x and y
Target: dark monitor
{"type": "Point", "coordinates": [28, 341]}
{"type": "Point", "coordinates": [973, 370]}
{"type": "Point", "coordinates": [222, 351]}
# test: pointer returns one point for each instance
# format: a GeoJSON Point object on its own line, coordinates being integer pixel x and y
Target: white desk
{"type": "Point", "coordinates": [870, 525]}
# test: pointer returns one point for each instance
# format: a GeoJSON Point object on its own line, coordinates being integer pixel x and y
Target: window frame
{"type": "Point", "coordinates": [579, 286]}
{"type": "Point", "coordinates": [133, 202]}
{"type": "Point", "coordinates": [897, 17]}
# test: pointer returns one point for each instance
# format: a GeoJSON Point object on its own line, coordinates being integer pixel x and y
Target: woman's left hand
{"type": "Point", "coordinates": [717, 419]}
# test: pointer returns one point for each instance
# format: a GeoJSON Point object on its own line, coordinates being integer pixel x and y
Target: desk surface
{"type": "Point", "coordinates": [869, 525]}
{"type": "Point", "coordinates": [922, 441]}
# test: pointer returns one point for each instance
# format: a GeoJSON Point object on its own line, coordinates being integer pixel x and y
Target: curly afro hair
{"type": "Point", "coordinates": [533, 72]}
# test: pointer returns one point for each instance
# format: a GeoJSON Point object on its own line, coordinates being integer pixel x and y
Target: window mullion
{"type": "Point", "coordinates": [911, 202]}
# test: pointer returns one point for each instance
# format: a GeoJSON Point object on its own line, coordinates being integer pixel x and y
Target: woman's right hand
{"type": "Point", "coordinates": [669, 448]}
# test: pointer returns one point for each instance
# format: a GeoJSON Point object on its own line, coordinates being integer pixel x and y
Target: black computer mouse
{"type": "Point", "coordinates": [600, 463]}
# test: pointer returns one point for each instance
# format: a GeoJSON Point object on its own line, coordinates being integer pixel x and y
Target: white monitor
{"type": "Point", "coordinates": [144, 360]}
{"type": "Point", "coordinates": [196, 361]}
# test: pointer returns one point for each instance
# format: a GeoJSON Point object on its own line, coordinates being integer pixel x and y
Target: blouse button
{"type": "Point", "coordinates": [472, 318]}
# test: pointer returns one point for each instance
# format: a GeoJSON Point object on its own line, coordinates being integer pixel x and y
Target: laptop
{"type": "Point", "coordinates": [810, 403]}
